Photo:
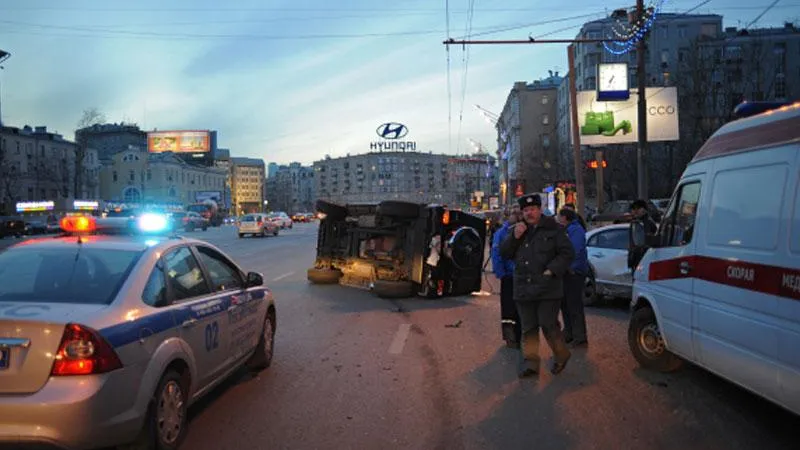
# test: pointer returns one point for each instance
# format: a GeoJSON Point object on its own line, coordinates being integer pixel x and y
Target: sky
{"type": "Point", "coordinates": [295, 80]}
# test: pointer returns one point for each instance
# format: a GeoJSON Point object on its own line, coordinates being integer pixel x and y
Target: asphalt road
{"type": "Point", "coordinates": [352, 371]}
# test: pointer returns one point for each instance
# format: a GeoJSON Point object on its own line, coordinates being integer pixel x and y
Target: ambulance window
{"type": "Point", "coordinates": [795, 233]}
{"type": "Point", "coordinates": [679, 225]}
{"type": "Point", "coordinates": [743, 217]}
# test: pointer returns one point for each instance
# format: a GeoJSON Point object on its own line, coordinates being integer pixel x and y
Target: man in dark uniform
{"type": "Point", "coordinates": [640, 214]}
{"type": "Point", "coordinates": [542, 254]}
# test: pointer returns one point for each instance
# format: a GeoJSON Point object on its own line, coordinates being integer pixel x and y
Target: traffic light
{"type": "Point", "coordinates": [593, 164]}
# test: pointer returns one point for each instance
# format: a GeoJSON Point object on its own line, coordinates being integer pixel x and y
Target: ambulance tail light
{"type": "Point", "coordinates": [83, 352]}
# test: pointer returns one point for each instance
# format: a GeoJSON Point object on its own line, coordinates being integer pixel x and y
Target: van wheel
{"type": "Point", "coordinates": [393, 289]}
{"type": "Point", "coordinates": [241, 235]}
{"type": "Point", "coordinates": [405, 210]}
{"type": "Point", "coordinates": [332, 210]}
{"type": "Point", "coordinates": [275, 232]}
{"type": "Point", "coordinates": [324, 276]}
{"type": "Point", "coordinates": [590, 290]}
{"type": "Point", "coordinates": [647, 345]}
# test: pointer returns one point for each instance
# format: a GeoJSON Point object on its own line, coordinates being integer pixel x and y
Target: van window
{"type": "Point", "coordinates": [746, 205]}
{"type": "Point", "coordinates": [678, 224]}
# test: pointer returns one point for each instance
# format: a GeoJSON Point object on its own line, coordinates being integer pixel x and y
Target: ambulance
{"type": "Point", "coordinates": [719, 285]}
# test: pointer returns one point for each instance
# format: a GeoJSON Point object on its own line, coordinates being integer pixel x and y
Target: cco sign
{"type": "Point", "coordinates": [392, 133]}
{"type": "Point", "coordinates": [616, 122]}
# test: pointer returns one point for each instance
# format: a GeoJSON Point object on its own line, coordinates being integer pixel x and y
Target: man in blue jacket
{"type": "Point", "coordinates": [503, 269]}
{"type": "Point", "coordinates": [575, 281]}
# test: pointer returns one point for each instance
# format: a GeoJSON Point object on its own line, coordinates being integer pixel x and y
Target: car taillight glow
{"type": "Point", "coordinates": [83, 352]}
{"type": "Point", "coordinates": [260, 223]}
{"type": "Point", "coordinates": [446, 217]}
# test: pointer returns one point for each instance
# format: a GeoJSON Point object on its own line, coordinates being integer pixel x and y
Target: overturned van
{"type": "Point", "coordinates": [399, 249]}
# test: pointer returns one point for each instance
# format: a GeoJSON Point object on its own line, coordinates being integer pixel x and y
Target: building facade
{"type": "Point", "coordinates": [39, 166]}
{"type": "Point", "coordinates": [407, 176]}
{"type": "Point", "coordinates": [247, 185]}
{"type": "Point", "coordinates": [291, 188]}
{"type": "Point", "coordinates": [111, 138]}
{"type": "Point", "coordinates": [527, 137]}
{"type": "Point", "coordinates": [136, 176]}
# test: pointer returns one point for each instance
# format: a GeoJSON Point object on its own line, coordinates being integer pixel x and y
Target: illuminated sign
{"type": "Point", "coordinates": [35, 206]}
{"type": "Point", "coordinates": [392, 132]}
{"type": "Point", "coordinates": [179, 141]}
{"type": "Point", "coordinates": [85, 205]}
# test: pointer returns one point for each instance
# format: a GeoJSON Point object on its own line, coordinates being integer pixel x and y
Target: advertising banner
{"type": "Point", "coordinates": [23, 207]}
{"type": "Point", "coordinates": [615, 122]}
{"type": "Point", "coordinates": [202, 196]}
{"type": "Point", "coordinates": [179, 141]}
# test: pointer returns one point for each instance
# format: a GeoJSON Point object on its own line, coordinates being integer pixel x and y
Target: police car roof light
{"type": "Point", "coordinates": [748, 109]}
{"type": "Point", "coordinates": [153, 223]}
{"type": "Point", "coordinates": [78, 224]}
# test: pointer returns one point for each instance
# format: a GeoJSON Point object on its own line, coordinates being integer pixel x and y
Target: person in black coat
{"type": "Point", "coordinates": [640, 214]}
{"type": "Point", "coordinates": [542, 254]}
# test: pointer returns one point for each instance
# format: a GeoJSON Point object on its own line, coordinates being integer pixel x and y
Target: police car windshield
{"type": "Point", "coordinates": [64, 275]}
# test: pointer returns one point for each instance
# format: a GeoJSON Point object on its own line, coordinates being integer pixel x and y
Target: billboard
{"type": "Point", "coordinates": [192, 141]}
{"type": "Point", "coordinates": [615, 122]}
{"type": "Point", "coordinates": [202, 196]}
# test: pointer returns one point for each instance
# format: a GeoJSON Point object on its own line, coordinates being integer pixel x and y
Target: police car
{"type": "Point", "coordinates": [107, 339]}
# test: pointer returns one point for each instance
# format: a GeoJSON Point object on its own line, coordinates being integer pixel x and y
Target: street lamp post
{"type": "Point", "coordinates": [3, 56]}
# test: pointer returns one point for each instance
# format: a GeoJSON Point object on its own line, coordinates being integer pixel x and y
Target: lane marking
{"type": "Point", "coordinates": [399, 341]}
{"type": "Point", "coordinates": [280, 277]}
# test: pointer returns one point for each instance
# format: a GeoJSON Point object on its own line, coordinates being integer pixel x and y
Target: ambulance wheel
{"type": "Point", "coordinates": [275, 232]}
{"type": "Point", "coordinates": [393, 289]}
{"type": "Point", "coordinates": [331, 210]}
{"type": "Point", "coordinates": [647, 344]}
{"type": "Point", "coordinates": [324, 276]}
{"type": "Point", "coordinates": [262, 357]}
{"type": "Point", "coordinates": [404, 210]}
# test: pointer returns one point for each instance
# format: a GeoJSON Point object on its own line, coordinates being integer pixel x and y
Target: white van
{"type": "Point", "coordinates": [720, 284]}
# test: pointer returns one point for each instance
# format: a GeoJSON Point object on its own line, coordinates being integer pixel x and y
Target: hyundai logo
{"type": "Point", "coordinates": [392, 130]}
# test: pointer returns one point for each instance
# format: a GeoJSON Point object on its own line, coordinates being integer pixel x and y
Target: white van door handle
{"type": "Point", "coordinates": [685, 268]}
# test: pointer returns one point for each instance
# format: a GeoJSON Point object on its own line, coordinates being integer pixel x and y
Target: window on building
{"type": "Point", "coordinates": [545, 140]}
{"type": "Point", "coordinates": [545, 119]}
{"type": "Point", "coordinates": [665, 56]}
{"type": "Point", "coordinates": [682, 32]}
{"type": "Point", "coordinates": [780, 86]}
{"type": "Point", "coordinates": [132, 176]}
{"type": "Point", "coordinates": [114, 175]}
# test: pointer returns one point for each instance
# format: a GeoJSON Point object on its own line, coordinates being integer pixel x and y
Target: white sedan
{"type": "Point", "coordinates": [608, 257]}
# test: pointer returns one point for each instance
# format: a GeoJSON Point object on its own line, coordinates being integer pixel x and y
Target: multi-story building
{"type": "Point", "coordinates": [39, 166]}
{"type": "Point", "coordinates": [475, 177]}
{"type": "Point", "coordinates": [290, 188]}
{"type": "Point", "coordinates": [527, 137]}
{"type": "Point", "coordinates": [247, 185]}
{"type": "Point", "coordinates": [222, 160]}
{"type": "Point", "coordinates": [137, 176]}
{"type": "Point", "coordinates": [408, 176]}
{"type": "Point", "coordinates": [111, 138]}
{"type": "Point", "coordinates": [272, 169]}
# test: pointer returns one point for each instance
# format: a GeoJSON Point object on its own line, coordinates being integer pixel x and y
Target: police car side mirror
{"type": "Point", "coordinates": [254, 279]}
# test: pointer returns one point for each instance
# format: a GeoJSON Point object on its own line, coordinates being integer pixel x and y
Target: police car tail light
{"type": "Point", "coordinates": [78, 224]}
{"type": "Point", "coordinates": [84, 352]}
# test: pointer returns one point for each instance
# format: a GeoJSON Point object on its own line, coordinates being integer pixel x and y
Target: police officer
{"type": "Point", "coordinates": [503, 269]}
{"type": "Point", "coordinates": [542, 255]}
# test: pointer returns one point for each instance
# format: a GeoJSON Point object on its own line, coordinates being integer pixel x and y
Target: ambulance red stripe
{"type": "Point", "coordinates": [766, 279]}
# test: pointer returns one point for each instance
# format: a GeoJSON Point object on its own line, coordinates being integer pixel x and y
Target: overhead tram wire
{"type": "Point", "coordinates": [465, 60]}
{"type": "Point", "coordinates": [449, 83]}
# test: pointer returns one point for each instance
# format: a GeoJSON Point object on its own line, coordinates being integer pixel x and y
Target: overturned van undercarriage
{"type": "Point", "coordinates": [399, 249]}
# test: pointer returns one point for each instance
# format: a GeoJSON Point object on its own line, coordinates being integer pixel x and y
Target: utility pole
{"type": "Point", "coordinates": [3, 56]}
{"type": "Point", "coordinates": [576, 138]}
{"type": "Point", "coordinates": [641, 77]}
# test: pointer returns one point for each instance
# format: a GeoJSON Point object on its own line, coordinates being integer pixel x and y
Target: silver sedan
{"type": "Point", "coordinates": [107, 340]}
{"type": "Point", "coordinates": [608, 258]}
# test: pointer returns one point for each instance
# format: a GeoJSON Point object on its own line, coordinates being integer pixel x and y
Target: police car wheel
{"type": "Point", "coordinates": [647, 345]}
{"type": "Point", "coordinates": [262, 357]}
{"type": "Point", "coordinates": [166, 423]}
{"type": "Point", "coordinates": [323, 276]}
{"type": "Point", "coordinates": [393, 289]}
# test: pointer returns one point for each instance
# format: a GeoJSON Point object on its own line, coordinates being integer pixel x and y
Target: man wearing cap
{"type": "Point", "coordinates": [542, 254]}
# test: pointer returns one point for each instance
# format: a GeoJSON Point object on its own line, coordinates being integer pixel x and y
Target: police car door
{"type": "Point", "coordinates": [199, 314]}
{"type": "Point", "coordinates": [242, 325]}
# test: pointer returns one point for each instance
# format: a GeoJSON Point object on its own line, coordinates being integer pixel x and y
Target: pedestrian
{"type": "Point", "coordinates": [580, 217]}
{"type": "Point", "coordinates": [542, 255]}
{"type": "Point", "coordinates": [575, 281]}
{"type": "Point", "coordinates": [640, 214]}
{"type": "Point", "coordinates": [503, 269]}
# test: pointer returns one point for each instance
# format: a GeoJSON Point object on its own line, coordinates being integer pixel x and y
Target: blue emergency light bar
{"type": "Point", "coordinates": [145, 224]}
{"type": "Point", "coordinates": [748, 109]}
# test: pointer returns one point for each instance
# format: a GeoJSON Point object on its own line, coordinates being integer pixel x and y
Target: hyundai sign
{"type": "Point", "coordinates": [392, 134]}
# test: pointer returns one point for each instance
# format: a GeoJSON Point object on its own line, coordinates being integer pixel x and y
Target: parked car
{"type": "Point", "coordinates": [11, 226]}
{"type": "Point", "coordinates": [300, 217]}
{"type": "Point", "coordinates": [34, 227]}
{"type": "Point", "coordinates": [719, 285]}
{"type": "Point", "coordinates": [619, 211]}
{"type": "Point", "coordinates": [189, 221]}
{"type": "Point", "coordinates": [608, 259]}
{"type": "Point", "coordinates": [256, 225]}
{"type": "Point", "coordinates": [283, 220]}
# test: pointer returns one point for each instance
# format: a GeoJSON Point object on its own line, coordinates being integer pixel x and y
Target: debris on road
{"type": "Point", "coordinates": [454, 325]}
